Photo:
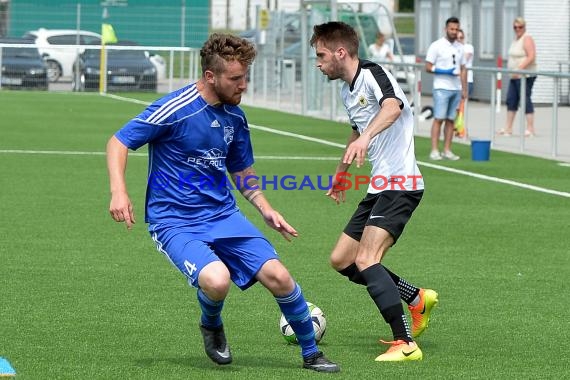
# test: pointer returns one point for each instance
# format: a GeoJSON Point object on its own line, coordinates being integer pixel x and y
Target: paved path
{"type": "Point", "coordinates": [480, 117]}
{"type": "Point", "coordinates": [479, 126]}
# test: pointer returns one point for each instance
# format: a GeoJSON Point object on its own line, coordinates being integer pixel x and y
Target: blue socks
{"type": "Point", "coordinates": [295, 309]}
{"type": "Point", "coordinates": [211, 311]}
{"type": "Point", "coordinates": [293, 306]}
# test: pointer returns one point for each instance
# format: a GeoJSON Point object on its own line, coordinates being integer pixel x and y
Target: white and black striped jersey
{"type": "Point", "coordinates": [391, 152]}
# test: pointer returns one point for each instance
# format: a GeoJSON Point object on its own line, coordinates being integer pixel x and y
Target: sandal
{"type": "Point", "coordinates": [528, 133]}
{"type": "Point", "coordinates": [505, 133]}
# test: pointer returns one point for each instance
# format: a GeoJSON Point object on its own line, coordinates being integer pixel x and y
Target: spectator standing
{"type": "Point", "coordinates": [522, 56]}
{"type": "Point", "coordinates": [446, 60]}
{"type": "Point", "coordinates": [380, 50]}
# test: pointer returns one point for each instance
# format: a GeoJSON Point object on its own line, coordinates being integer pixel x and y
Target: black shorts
{"type": "Point", "coordinates": [389, 210]}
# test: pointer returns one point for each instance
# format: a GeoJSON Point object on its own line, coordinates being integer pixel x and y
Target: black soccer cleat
{"type": "Point", "coordinates": [318, 362]}
{"type": "Point", "coordinates": [215, 345]}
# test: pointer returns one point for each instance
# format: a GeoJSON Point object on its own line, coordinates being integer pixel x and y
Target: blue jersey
{"type": "Point", "coordinates": [191, 147]}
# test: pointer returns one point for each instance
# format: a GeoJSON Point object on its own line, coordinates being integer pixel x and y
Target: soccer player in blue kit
{"type": "Point", "coordinates": [195, 135]}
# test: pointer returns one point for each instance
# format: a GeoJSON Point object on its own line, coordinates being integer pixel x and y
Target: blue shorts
{"type": "Point", "coordinates": [514, 94]}
{"type": "Point", "coordinates": [234, 240]}
{"type": "Point", "coordinates": [445, 103]}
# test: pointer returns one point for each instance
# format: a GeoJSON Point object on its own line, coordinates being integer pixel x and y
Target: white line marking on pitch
{"type": "Point", "coordinates": [426, 164]}
{"type": "Point", "coordinates": [496, 179]}
{"type": "Point", "coordinates": [429, 165]}
{"type": "Point", "coordinates": [79, 153]}
{"type": "Point", "coordinates": [62, 152]}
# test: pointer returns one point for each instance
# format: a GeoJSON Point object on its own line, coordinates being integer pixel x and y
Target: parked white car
{"type": "Point", "coordinates": [60, 60]}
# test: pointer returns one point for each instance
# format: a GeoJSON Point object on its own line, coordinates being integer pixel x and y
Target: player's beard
{"type": "Point", "coordinates": [335, 72]}
{"type": "Point", "coordinates": [232, 99]}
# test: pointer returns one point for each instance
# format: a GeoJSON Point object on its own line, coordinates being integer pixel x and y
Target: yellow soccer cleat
{"type": "Point", "coordinates": [400, 351]}
{"type": "Point", "coordinates": [421, 312]}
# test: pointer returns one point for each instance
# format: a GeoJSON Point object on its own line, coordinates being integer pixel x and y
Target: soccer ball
{"type": "Point", "coordinates": [319, 325]}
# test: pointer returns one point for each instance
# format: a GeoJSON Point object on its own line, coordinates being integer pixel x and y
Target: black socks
{"type": "Point", "coordinates": [384, 292]}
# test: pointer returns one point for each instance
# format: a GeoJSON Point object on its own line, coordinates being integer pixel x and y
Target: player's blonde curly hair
{"type": "Point", "coordinates": [221, 48]}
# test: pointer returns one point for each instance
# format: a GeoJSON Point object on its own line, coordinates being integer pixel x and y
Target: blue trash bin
{"type": "Point", "coordinates": [480, 150]}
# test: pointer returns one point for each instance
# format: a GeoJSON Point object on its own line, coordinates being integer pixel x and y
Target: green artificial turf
{"type": "Point", "coordinates": [83, 298]}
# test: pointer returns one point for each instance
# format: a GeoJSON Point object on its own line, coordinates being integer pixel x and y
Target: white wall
{"type": "Point", "coordinates": [547, 22]}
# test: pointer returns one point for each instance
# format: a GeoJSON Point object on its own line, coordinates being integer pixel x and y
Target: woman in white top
{"type": "Point", "coordinates": [522, 56]}
{"type": "Point", "coordinates": [380, 50]}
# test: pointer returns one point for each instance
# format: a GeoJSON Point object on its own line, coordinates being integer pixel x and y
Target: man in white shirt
{"type": "Point", "coordinates": [382, 130]}
{"type": "Point", "coordinates": [446, 60]}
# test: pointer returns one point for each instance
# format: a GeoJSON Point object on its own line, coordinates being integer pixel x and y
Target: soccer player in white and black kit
{"type": "Point", "coordinates": [200, 133]}
{"type": "Point", "coordinates": [382, 126]}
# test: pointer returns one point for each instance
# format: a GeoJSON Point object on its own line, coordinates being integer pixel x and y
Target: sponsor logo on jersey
{"type": "Point", "coordinates": [213, 157]}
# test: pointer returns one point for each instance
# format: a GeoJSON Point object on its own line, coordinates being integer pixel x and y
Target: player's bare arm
{"type": "Point", "coordinates": [335, 192]}
{"type": "Point", "coordinates": [120, 208]}
{"type": "Point", "coordinates": [389, 112]}
{"type": "Point", "coordinates": [251, 191]}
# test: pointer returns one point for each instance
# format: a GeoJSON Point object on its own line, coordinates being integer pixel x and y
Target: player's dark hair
{"type": "Point", "coordinates": [221, 48]}
{"type": "Point", "coordinates": [452, 20]}
{"type": "Point", "coordinates": [335, 34]}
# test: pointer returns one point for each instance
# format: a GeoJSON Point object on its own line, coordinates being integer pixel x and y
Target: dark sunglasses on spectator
{"type": "Point", "coordinates": [518, 27]}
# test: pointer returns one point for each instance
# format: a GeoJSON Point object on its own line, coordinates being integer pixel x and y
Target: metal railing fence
{"type": "Point", "coordinates": [278, 91]}
{"type": "Point", "coordinates": [274, 83]}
